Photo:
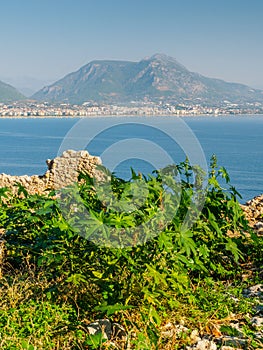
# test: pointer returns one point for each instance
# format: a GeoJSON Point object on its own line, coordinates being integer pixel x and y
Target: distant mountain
{"type": "Point", "coordinates": [158, 78]}
{"type": "Point", "coordinates": [26, 84]}
{"type": "Point", "coordinates": [9, 94]}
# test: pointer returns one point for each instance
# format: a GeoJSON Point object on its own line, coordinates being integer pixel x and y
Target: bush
{"type": "Point", "coordinates": [162, 264]}
{"type": "Point", "coordinates": [141, 251]}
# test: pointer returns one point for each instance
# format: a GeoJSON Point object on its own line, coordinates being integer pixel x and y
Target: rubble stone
{"type": "Point", "coordinates": [62, 171]}
{"type": "Point", "coordinates": [253, 210]}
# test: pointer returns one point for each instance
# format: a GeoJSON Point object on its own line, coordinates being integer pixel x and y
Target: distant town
{"type": "Point", "coordinates": [46, 109]}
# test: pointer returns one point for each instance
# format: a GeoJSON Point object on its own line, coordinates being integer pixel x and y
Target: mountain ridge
{"type": "Point", "coordinates": [155, 79]}
{"type": "Point", "coordinates": [9, 94]}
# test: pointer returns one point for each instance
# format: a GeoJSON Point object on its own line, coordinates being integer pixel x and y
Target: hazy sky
{"type": "Point", "coordinates": [47, 39]}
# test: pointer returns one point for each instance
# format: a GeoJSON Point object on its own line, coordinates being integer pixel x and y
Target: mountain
{"type": "Point", "coordinates": [26, 84]}
{"type": "Point", "coordinates": [158, 78]}
{"type": "Point", "coordinates": [9, 94]}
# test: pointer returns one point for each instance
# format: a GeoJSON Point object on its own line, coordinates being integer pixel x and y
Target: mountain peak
{"type": "Point", "coordinates": [156, 78]}
{"type": "Point", "coordinates": [165, 59]}
{"type": "Point", "coordinates": [162, 57]}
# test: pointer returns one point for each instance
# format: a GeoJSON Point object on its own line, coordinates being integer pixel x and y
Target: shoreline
{"type": "Point", "coordinates": [95, 116]}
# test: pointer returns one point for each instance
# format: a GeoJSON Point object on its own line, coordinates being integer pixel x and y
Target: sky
{"type": "Point", "coordinates": [43, 40]}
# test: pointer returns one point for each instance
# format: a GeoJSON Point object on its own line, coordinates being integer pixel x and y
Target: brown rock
{"type": "Point", "coordinates": [62, 171]}
{"type": "Point", "coordinates": [253, 210]}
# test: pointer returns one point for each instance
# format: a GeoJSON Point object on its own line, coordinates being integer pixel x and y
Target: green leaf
{"type": "Point", "coordinates": [76, 279]}
{"type": "Point", "coordinates": [112, 309]}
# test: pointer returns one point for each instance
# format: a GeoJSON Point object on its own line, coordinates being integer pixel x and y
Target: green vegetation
{"type": "Point", "coordinates": [56, 280]}
{"type": "Point", "coordinates": [9, 94]}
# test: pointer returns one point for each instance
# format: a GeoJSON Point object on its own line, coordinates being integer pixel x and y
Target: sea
{"type": "Point", "coordinates": [142, 143]}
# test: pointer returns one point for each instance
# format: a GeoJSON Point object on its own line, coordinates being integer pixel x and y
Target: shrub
{"type": "Point", "coordinates": [159, 265]}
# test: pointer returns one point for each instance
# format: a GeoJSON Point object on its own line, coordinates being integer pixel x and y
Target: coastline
{"type": "Point", "coordinates": [95, 116]}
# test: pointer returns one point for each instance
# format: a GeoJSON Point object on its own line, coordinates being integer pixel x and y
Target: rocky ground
{"type": "Point", "coordinates": [116, 335]}
{"type": "Point", "coordinates": [64, 170]}
{"type": "Point", "coordinates": [253, 210]}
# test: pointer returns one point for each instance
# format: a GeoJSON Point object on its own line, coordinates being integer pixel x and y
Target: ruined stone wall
{"type": "Point", "coordinates": [62, 171]}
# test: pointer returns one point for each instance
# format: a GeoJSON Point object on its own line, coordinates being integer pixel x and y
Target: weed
{"type": "Point", "coordinates": [146, 279]}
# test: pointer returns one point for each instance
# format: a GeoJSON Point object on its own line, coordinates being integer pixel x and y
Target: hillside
{"type": "Point", "coordinates": [157, 78]}
{"type": "Point", "coordinates": [77, 272]}
{"type": "Point", "coordinates": [9, 94]}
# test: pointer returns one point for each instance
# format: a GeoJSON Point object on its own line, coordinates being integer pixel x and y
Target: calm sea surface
{"type": "Point", "coordinates": [25, 144]}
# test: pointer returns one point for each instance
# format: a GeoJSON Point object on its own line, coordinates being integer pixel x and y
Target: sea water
{"type": "Point", "coordinates": [237, 142]}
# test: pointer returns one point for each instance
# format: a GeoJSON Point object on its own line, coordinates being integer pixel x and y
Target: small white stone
{"type": "Point", "coordinates": [257, 321]}
{"type": "Point", "coordinates": [84, 154]}
{"type": "Point", "coordinates": [205, 344]}
{"type": "Point", "coordinates": [100, 326]}
{"type": "Point", "coordinates": [195, 336]}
